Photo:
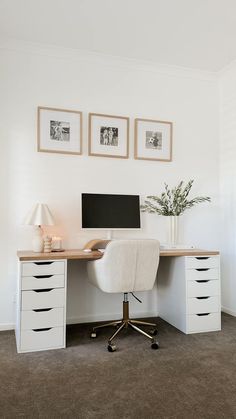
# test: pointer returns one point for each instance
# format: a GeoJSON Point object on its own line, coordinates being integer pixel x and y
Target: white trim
{"type": "Point", "coordinates": [228, 311]}
{"type": "Point", "coordinates": [6, 326]}
{"type": "Point", "coordinates": [108, 317]}
{"type": "Point", "coordinates": [123, 63]}
{"type": "Point", "coordinates": [229, 67]}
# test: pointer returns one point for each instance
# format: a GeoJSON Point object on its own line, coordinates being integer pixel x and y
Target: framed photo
{"type": "Point", "coordinates": [59, 131]}
{"type": "Point", "coordinates": [153, 140]}
{"type": "Point", "coordinates": [108, 136]}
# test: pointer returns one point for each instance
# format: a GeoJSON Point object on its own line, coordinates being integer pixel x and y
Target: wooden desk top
{"type": "Point", "coordinates": [79, 254]}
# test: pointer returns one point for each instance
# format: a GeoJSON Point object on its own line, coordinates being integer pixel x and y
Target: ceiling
{"type": "Point", "coordinates": [199, 34]}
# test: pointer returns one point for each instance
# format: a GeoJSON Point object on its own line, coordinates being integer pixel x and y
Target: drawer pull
{"type": "Point", "coordinates": [202, 269]}
{"type": "Point", "coordinates": [202, 298]}
{"type": "Point", "coordinates": [202, 257]}
{"type": "Point", "coordinates": [203, 314]}
{"type": "Point", "coordinates": [43, 263]}
{"type": "Point", "coordinates": [42, 276]}
{"type": "Point", "coordinates": [44, 290]}
{"type": "Point", "coordinates": [38, 310]}
{"type": "Point", "coordinates": [45, 329]}
{"type": "Point", "coordinates": [202, 280]}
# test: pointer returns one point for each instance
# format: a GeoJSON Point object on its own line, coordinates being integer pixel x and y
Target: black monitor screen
{"type": "Point", "coordinates": [110, 211]}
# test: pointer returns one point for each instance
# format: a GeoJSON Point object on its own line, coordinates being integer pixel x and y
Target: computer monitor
{"type": "Point", "coordinates": [112, 212]}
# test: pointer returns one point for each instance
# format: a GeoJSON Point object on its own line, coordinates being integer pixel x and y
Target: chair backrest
{"type": "Point", "coordinates": [126, 266]}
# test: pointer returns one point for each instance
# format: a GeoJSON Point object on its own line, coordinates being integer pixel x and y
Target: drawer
{"type": "Point", "coordinates": [202, 273]}
{"type": "Point", "coordinates": [202, 262]}
{"type": "Point", "coordinates": [42, 339]}
{"type": "Point", "coordinates": [203, 323]}
{"type": "Point", "coordinates": [49, 298]}
{"type": "Point", "coordinates": [203, 305]}
{"type": "Point", "coordinates": [42, 281]}
{"type": "Point", "coordinates": [43, 268]}
{"type": "Point", "coordinates": [206, 288]}
{"type": "Point", "coordinates": [31, 319]}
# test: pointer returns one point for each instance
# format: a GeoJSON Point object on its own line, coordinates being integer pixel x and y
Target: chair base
{"type": "Point", "coordinates": [125, 323]}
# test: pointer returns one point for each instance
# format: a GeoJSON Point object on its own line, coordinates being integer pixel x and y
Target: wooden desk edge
{"type": "Point", "coordinates": [79, 254]}
{"type": "Point", "coordinates": [26, 255]}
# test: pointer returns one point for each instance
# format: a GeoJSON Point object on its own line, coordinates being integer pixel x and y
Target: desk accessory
{"type": "Point", "coordinates": [47, 245]}
{"type": "Point", "coordinates": [38, 216]}
{"type": "Point", "coordinates": [56, 244]}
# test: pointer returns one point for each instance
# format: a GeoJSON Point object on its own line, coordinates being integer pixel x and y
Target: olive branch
{"type": "Point", "coordinates": [172, 201]}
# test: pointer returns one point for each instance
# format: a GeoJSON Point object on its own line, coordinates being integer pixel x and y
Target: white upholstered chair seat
{"type": "Point", "coordinates": [126, 266]}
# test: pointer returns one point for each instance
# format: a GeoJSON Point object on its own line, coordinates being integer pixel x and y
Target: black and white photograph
{"type": "Point", "coordinates": [59, 131]}
{"type": "Point", "coordinates": [153, 140]}
{"type": "Point", "coordinates": [109, 136]}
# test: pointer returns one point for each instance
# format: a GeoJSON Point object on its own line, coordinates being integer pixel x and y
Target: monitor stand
{"type": "Point", "coordinates": [109, 234]}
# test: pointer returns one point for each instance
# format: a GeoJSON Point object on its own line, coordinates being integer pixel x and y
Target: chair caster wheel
{"type": "Point", "coordinates": [111, 348]}
{"type": "Point", "coordinates": [153, 332]}
{"type": "Point", "coordinates": [93, 335]}
{"type": "Point", "coordinates": [155, 345]}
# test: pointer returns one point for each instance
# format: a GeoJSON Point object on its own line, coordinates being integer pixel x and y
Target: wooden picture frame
{"type": "Point", "coordinates": [59, 131]}
{"type": "Point", "coordinates": [153, 140]}
{"type": "Point", "coordinates": [108, 136]}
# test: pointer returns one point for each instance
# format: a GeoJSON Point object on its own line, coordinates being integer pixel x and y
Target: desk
{"type": "Point", "coordinates": [188, 294]}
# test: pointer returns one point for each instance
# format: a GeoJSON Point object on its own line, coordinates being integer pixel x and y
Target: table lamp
{"type": "Point", "coordinates": [38, 216]}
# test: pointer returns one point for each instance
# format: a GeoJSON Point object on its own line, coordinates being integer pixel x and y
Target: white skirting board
{"type": "Point", "coordinates": [228, 311]}
{"type": "Point", "coordinates": [90, 319]}
{"type": "Point", "coordinates": [6, 326]}
{"type": "Point", "coordinates": [108, 317]}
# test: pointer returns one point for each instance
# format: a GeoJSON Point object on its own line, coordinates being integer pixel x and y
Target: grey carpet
{"type": "Point", "coordinates": [190, 376]}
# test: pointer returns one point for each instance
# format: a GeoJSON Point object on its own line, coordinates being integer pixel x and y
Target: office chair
{"type": "Point", "coordinates": [126, 266]}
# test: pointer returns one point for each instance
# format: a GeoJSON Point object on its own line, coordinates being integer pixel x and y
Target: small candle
{"type": "Point", "coordinates": [56, 243]}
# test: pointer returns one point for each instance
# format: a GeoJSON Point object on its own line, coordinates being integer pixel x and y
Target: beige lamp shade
{"type": "Point", "coordinates": [39, 215]}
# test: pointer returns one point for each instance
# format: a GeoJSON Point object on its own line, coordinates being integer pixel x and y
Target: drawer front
{"type": "Point", "coordinates": [43, 299]}
{"type": "Point", "coordinates": [42, 339]}
{"type": "Point", "coordinates": [203, 305]}
{"type": "Point", "coordinates": [203, 289]}
{"type": "Point", "coordinates": [53, 317]}
{"type": "Point", "coordinates": [202, 262]}
{"type": "Point", "coordinates": [202, 273]}
{"type": "Point", "coordinates": [205, 323]}
{"type": "Point", "coordinates": [42, 281]}
{"type": "Point", "coordinates": [43, 268]}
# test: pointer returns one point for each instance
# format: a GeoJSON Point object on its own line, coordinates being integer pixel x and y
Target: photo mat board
{"type": "Point", "coordinates": [59, 131]}
{"type": "Point", "coordinates": [108, 136]}
{"type": "Point", "coordinates": [153, 140]}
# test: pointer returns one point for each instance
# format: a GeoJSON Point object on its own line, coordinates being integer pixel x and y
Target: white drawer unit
{"type": "Point", "coordinates": [41, 305]}
{"type": "Point", "coordinates": [202, 273]}
{"type": "Point", "coordinates": [42, 281]}
{"type": "Point", "coordinates": [204, 322]}
{"type": "Point", "coordinates": [203, 288]}
{"type": "Point", "coordinates": [45, 298]}
{"type": "Point", "coordinates": [42, 339]}
{"type": "Point", "coordinates": [41, 318]}
{"type": "Point", "coordinates": [199, 305]}
{"type": "Point", "coordinates": [47, 267]}
{"type": "Point", "coordinates": [189, 292]}
{"type": "Point", "coordinates": [201, 262]}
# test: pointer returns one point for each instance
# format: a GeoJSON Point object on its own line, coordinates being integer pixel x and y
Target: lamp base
{"type": "Point", "coordinates": [37, 242]}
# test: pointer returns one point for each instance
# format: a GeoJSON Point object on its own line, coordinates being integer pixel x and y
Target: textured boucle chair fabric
{"type": "Point", "coordinates": [126, 266]}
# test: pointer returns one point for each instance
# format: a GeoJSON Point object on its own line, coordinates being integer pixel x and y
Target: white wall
{"type": "Point", "coordinates": [32, 76]}
{"type": "Point", "coordinates": [227, 83]}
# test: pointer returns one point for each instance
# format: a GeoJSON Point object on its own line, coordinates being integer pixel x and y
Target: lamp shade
{"type": "Point", "coordinates": [39, 215]}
